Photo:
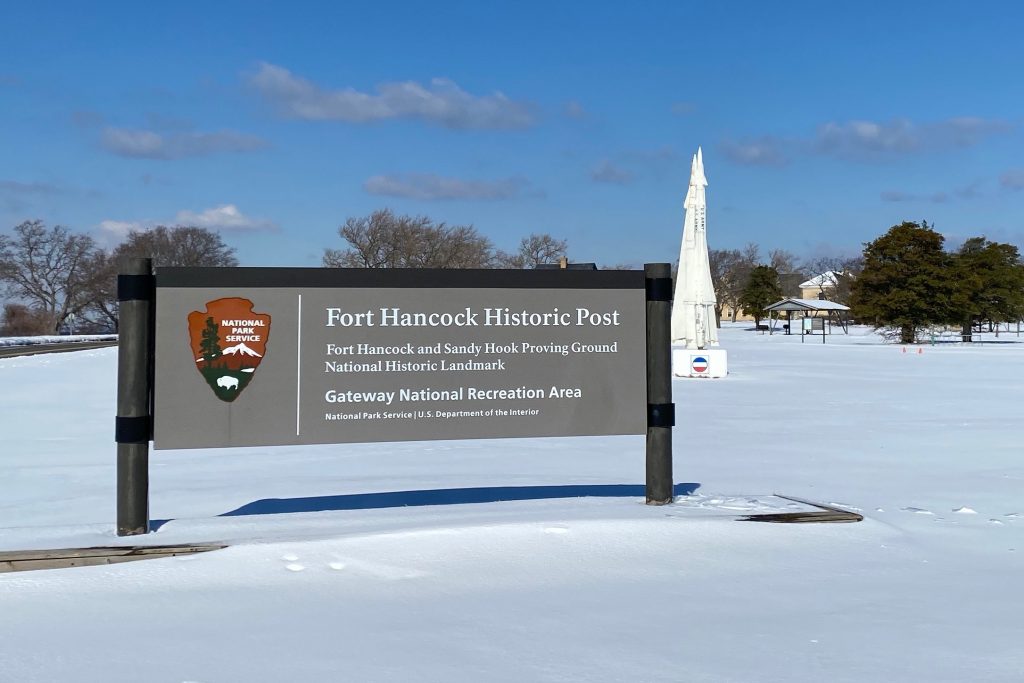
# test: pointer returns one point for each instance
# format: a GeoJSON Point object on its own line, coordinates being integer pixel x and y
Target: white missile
{"type": "Point", "coordinates": [693, 306]}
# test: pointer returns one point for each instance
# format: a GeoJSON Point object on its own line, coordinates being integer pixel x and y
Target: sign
{"type": "Point", "coordinates": [699, 364]}
{"type": "Point", "coordinates": [277, 356]}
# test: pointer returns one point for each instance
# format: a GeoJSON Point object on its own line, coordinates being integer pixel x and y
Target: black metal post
{"type": "Point", "coordinates": [660, 409]}
{"type": "Point", "coordinates": [135, 294]}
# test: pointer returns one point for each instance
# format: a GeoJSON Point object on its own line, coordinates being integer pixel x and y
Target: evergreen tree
{"type": "Point", "coordinates": [989, 284]}
{"type": "Point", "coordinates": [210, 341]}
{"type": "Point", "coordinates": [907, 282]}
{"type": "Point", "coordinates": [762, 290]}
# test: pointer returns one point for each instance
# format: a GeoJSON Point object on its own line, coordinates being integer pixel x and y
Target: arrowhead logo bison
{"type": "Point", "coordinates": [228, 342]}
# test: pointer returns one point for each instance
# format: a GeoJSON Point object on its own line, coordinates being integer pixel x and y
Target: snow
{"type": "Point", "coordinates": [827, 279]}
{"type": "Point", "coordinates": [791, 304]}
{"type": "Point", "coordinates": [56, 339]}
{"type": "Point", "coordinates": [555, 589]}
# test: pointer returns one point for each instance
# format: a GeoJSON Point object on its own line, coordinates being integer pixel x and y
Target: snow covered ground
{"type": "Point", "coordinates": [55, 339]}
{"type": "Point", "coordinates": [928, 588]}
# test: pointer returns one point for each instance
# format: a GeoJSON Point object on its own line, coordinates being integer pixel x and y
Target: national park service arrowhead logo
{"type": "Point", "coordinates": [228, 342]}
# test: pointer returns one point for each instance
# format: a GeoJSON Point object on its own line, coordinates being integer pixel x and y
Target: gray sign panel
{"type": "Point", "coordinates": [260, 357]}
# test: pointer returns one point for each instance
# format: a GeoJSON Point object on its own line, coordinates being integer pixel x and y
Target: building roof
{"type": "Point", "coordinates": [806, 305]}
{"type": "Point", "coordinates": [829, 279]}
{"type": "Point", "coordinates": [566, 266]}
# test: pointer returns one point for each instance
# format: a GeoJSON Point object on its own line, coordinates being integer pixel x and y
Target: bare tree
{"type": "Point", "coordinates": [730, 272]}
{"type": "Point", "coordinates": [834, 275]}
{"type": "Point", "coordinates": [21, 321]}
{"type": "Point", "coordinates": [721, 262]}
{"type": "Point", "coordinates": [782, 261]}
{"type": "Point", "coordinates": [180, 246]}
{"type": "Point", "coordinates": [101, 290]}
{"type": "Point", "coordinates": [751, 254]}
{"type": "Point", "coordinates": [533, 251]}
{"type": "Point", "coordinates": [384, 240]}
{"type": "Point", "coordinates": [46, 268]}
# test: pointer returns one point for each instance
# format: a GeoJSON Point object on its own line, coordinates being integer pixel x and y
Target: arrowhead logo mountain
{"type": "Point", "coordinates": [228, 343]}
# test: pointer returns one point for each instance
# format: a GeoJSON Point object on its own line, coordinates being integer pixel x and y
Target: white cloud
{"type": "Point", "coordinates": [14, 188]}
{"type": "Point", "coordinates": [147, 144]}
{"type": "Point", "coordinates": [607, 172]}
{"type": "Point", "coordinates": [867, 136]}
{"type": "Point", "coordinates": [899, 196]}
{"type": "Point", "coordinates": [428, 186]}
{"type": "Point", "coordinates": [871, 139]}
{"type": "Point", "coordinates": [658, 155]}
{"type": "Point", "coordinates": [110, 233]}
{"type": "Point", "coordinates": [1012, 179]}
{"type": "Point", "coordinates": [861, 140]}
{"type": "Point", "coordinates": [225, 217]}
{"type": "Point", "coordinates": [574, 110]}
{"type": "Point", "coordinates": [964, 131]}
{"type": "Point", "coordinates": [18, 187]}
{"type": "Point", "coordinates": [971, 191]}
{"type": "Point", "coordinates": [441, 102]}
{"type": "Point", "coordinates": [765, 151]}
{"type": "Point", "coordinates": [86, 118]}
{"type": "Point", "coordinates": [16, 195]}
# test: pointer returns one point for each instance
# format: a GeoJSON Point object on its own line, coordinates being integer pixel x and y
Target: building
{"type": "Point", "coordinates": [822, 286]}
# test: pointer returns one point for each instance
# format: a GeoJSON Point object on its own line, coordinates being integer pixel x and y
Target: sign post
{"type": "Point", "coordinates": [660, 409]}
{"type": "Point", "coordinates": [133, 428]}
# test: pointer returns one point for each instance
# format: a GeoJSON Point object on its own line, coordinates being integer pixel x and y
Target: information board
{"type": "Point", "coordinates": [276, 356]}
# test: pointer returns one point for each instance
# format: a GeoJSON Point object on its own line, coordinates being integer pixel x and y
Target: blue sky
{"type": "Point", "coordinates": [822, 124]}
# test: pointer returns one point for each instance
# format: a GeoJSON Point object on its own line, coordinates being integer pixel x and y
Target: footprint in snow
{"type": "Point", "coordinates": [918, 511]}
{"type": "Point", "coordinates": [879, 510]}
{"type": "Point", "coordinates": [294, 567]}
{"type": "Point", "coordinates": [556, 530]}
{"type": "Point", "coordinates": [1012, 514]}
{"type": "Point", "coordinates": [964, 510]}
{"type": "Point", "coordinates": [996, 522]}
{"type": "Point", "coordinates": [290, 558]}
{"type": "Point", "coordinates": [337, 566]}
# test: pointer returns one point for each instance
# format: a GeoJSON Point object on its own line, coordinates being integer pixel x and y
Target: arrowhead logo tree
{"type": "Point", "coordinates": [228, 343]}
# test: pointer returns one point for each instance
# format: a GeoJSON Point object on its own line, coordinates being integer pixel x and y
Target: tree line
{"type": "Point", "coordinates": [905, 281]}
{"type": "Point", "coordinates": [385, 240]}
{"type": "Point", "coordinates": [746, 281]}
{"type": "Point", "coordinates": [910, 283]}
{"type": "Point", "coordinates": [62, 281]}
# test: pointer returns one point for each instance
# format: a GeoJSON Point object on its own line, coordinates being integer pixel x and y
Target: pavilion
{"type": "Point", "coordinates": [827, 312]}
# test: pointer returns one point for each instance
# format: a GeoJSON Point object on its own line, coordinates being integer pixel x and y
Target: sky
{"type": "Point", "coordinates": [822, 124]}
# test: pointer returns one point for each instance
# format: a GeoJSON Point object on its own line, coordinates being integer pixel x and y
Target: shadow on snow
{"type": "Point", "coordinates": [465, 496]}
